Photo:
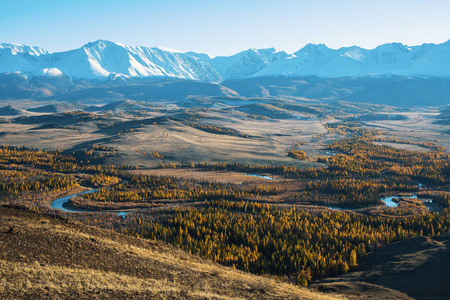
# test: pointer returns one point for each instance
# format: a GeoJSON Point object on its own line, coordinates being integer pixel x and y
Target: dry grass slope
{"type": "Point", "coordinates": [48, 257]}
{"type": "Point", "coordinates": [416, 268]}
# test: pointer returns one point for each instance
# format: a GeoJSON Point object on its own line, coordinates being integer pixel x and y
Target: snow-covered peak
{"type": "Point", "coordinates": [103, 60]}
{"type": "Point", "coordinates": [273, 49]}
{"type": "Point", "coordinates": [265, 51]}
{"type": "Point", "coordinates": [393, 47]}
{"type": "Point", "coordinates": [101, 44]}
{"type": "Point", "coordinates": [202, 56]}
{"type": "Point", "coordinates": [313, 49]}
{"type": "Point", "coordinates": [23, 49]}
{"type": "Point", "coordinates": [246, 63]}
{"type": "Point", "coordinates": [166, 49]}
{"type": "Point", "coordinates": [387, 59]}
{"type": "Point", "coordinates": [354, 52]}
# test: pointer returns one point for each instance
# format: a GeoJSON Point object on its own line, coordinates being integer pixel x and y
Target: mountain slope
{"type": "Point", "coordinates": [171, 89]}
{"type": "Point", "coordinates": [22, 49]}
{"type": "Point", "coordinates": [48, 257]}
{"type": "Point", "coordinates": [389, 59]}
{"type": "Point", "coordinates": [393, 74]}
{"type": "Point", "coordinates": [246, 63]}
{"type": "Point", "coordinates": [8, 111]}
{"type": "Point", "coordinates": [418, 267]}
{"type": "Point", "coordinates": [17, 58]}
{"type": "Point", "coordinates": [390, 90]}
{"type": "Point", "coordinates": [103, 60]}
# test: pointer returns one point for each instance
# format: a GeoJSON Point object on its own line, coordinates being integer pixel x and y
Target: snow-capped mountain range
{"type": "Point", "coordinates": [103, 60]}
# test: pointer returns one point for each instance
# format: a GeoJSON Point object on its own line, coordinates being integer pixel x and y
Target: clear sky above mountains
{"type": "Point", "coordinates": [224, 27]}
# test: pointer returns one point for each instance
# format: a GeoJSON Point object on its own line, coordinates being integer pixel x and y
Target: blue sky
{"type": "Point", "coordinates": [224, 27]}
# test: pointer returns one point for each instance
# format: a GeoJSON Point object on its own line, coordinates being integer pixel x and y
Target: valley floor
{"type": "Point", "coordinates": [254, 189]}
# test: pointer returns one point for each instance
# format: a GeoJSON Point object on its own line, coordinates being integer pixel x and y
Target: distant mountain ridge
{"type": "Point", "coordinates": [428, 60]}
{"type": "Point", "coordinates": [105, 60]}
{"type": "Point", "coordinates": [392, 74]}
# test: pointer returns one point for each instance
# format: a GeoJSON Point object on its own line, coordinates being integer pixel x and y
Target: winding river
{"type": "Point", "coordinates": [427, 202]}
{"type": "Point", "coordinates": [62, 205]}
{"type": "Point", "coordinates": [390, 203]}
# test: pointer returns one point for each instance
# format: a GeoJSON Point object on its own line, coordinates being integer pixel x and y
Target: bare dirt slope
{"type": "Point", "coordinates": [418, 267]}
{"type": "Point", "coordinates": [45, 256]}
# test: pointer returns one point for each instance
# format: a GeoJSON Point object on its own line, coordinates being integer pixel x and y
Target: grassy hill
{"type": "Point", "coordinates": [47, 257]}
{"type": "Point", "coordinates": [418, 267]}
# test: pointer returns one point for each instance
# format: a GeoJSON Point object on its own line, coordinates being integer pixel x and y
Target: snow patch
{"type": "Point", "coordinates": [52, 72]}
